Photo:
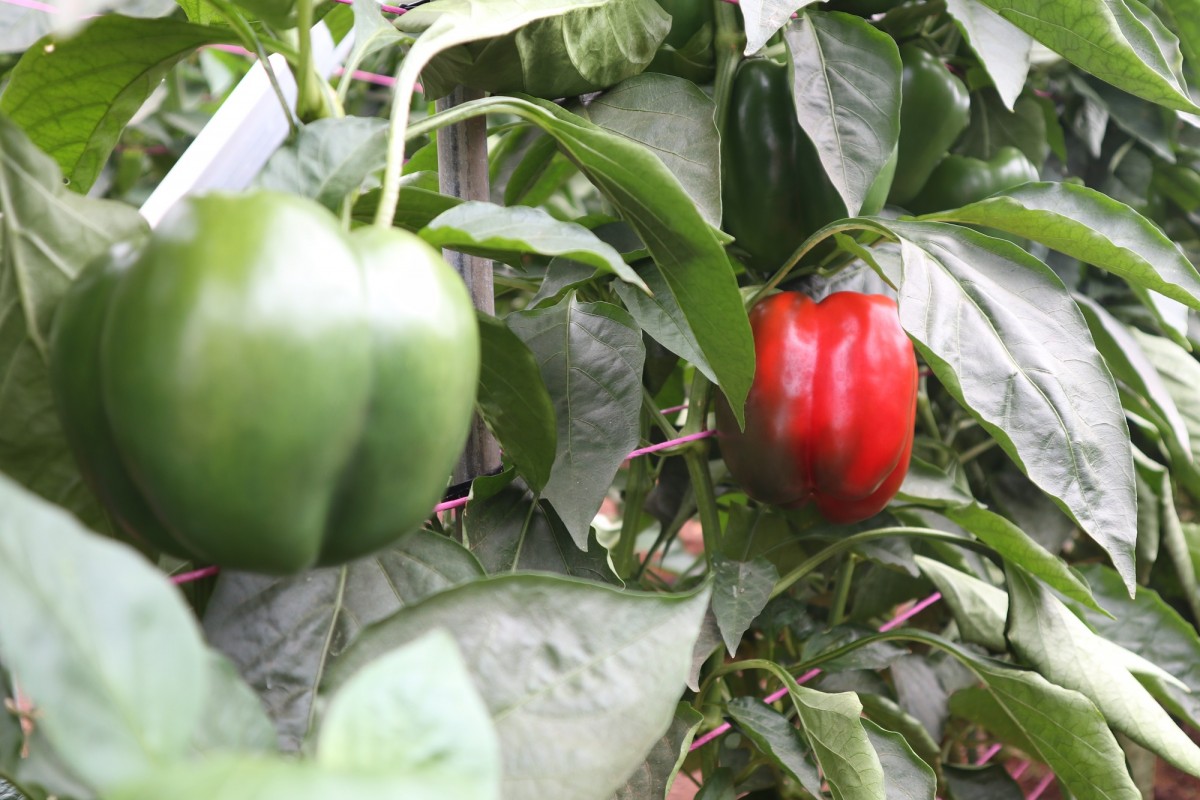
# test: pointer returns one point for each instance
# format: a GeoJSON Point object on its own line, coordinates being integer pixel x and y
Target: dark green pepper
{"type": "Point", "coordinates": [933, 113]}
{"type": "Point", "coordinates": [688, 49]}
{"type": "Point", "coordinates": [257, 389]}
{"type": "Point", "coordinates": [960, 180]}
{"type": "Point", "coordinates": [774, 189]}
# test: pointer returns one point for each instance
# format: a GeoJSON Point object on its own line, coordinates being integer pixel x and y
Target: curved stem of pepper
{"type": "Point", "coordinates": [841, 591]}
{"type": "Point", "coordinates": [696, 457]}
{"type": "Point", "coordinates": [727, 44]}
{"type": "Point", "coordinates": [842, 545]}
{"type": "Point", "coordinates": [402, 95]}
{"type": "Point", "coordinates": [304, 77]}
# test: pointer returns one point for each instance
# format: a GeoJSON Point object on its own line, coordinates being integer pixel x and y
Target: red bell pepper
{"type": "Point", "coordinates": [830, 415]}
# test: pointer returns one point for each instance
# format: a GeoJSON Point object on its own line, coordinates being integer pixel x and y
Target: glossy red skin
{"type": "Point", "coordinates": [830, 415]}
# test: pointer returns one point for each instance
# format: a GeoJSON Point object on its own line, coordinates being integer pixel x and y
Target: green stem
{"type": "Point", "coordinates": [841, 591]}
{"type": "Point", "coordinates": [848, 543]}
{"type": "Point", "coordinates": [304, 67]}
{"type": "Point", "coordinates": [975, 452]}
{"type": "Point", "coordinates": [728, 43]}
{"type": "Point", "coordinates": [809, 243]}
{"type": "Point", "coordinates": [687, 507]}
{"type": "Point", "coordinates": [635, 498]}
{"type": "Point", "coordinates": [252, 42]}
{"type": "Point", "coordinates": [696, 457]}
{"type": "Point", "coordinates": [524, 533]}
{"type": "Point", "coordinates": [656, 417]}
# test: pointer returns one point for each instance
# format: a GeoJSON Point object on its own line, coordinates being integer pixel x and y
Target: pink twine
{"type": "Point", "coordinates": [369, 77]}
{"type": "Point", "coordinates": [449, 504]}
{"type": "Point", "coordinates": [654, 448]}
{"type": "Point", "coordinates": [1042, 786]}
{"type": "Point", "coordinates": [899, 619]}
{"type": "Point", "coordinates": [33, 4]}
{"type": "Point", "coordinates": [988, 755]}
{"type": "Point", "coordinates": [194, 575]}
{"type": "Point", "coordinates": [388, 9]}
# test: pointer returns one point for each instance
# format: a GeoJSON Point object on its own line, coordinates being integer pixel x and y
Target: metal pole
{"type": "Point", "coordinates": [463, 172]}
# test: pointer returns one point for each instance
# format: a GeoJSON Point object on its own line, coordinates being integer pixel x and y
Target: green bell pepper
{"type": "Point", "coordinates": [775, 192]}
{"type": "Point", "coordinates": [960, 180]}
{"type": "Point", "coordinates": [934, 111]}
{"type": "Point", "coordinates": [255, 388]}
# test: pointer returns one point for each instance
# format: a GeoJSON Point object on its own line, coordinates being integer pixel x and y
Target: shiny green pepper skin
{"type": "Point", "coordinates": [687, 51]}
{"type": "Point", "coordinates": [257, 389]}
{"type": "Point", "coordinates": [774, 189]}
{"type": "Point", "coordinates": [960, 180]}
{"type": "Point", "coordinates": [934, 111]}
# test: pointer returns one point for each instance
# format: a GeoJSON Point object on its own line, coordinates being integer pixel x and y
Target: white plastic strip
{"type": "Point", "coordinates": [247, 128]}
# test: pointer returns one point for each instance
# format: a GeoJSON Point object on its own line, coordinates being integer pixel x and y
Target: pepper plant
{"type": "Point", "coordinates": [268, 408]}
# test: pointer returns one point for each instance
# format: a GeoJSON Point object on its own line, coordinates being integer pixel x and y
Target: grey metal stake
{"type": "Point", "coordinates": [463, 172]}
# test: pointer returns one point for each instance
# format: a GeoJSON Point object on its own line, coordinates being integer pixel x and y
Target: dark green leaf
{"type": "Point", "coordinates": [414, 711]}
{"type": "Point", "coordinates": [509, 530]}
{"type": "Point", "coordinates": [590, 355]}
{"type": "Point", "coordinates": [1055, 726]}
{"type": "Point", "coordinates": [515, 403]}
{"type": "Point", "coordinates": [418, 206]}
{"type": "Point", "coordinates": [1043, 632]}
{"type": "Point", "coordinates": [1180, 372]}
{"type": "Point", "coordinates": [905, 775]}
{"type": "Point", "coordinates": [653, 779]}
{"type": "Point", "coordinates": [1095, 229]}
{"type": "Point", "coordinates": [993, 126]}
{"type": "Point", "coordinates": [281, 631]}
{"type": "Point", "coordinates": [835, 731]}
{"type": "Point", "coordinates": [763, 18]}
{"type": "Point", "coordinates": [1003, 335]}
{"type": "Point", "coordinates": [741, 590]}
{"type": "Point", "coordinates": [1146, 122]}
{"type": "Point", "coordinates": [1002, 47]}
{"type": "Point", "coordinates": [1119, 41]}
{"type": "Point", "coordinates": [695, 268]}
{"type": "Point", "coordinates": [981, 783]}
{"type": "Point", "coordinates": [47, 235]}
{"type": "Point", "coordinates": [673, 119]}
{"type": "Point", "coordinates": [329, 159]}
{"type": "Point", "coordinates": [73, 97]}
{"type": "Point", "coordinates": [100, 640]}
{"type": "Point", "coordinates": [927, 485]}
{"type": "Point", "coordinates": [846, 82]}
{"type": "Point", "coordinates": [658, 314]}
{"type": "Point", "coordinates": [234, 717]}
{"type": "Point", "coordinates": [887, 714]}
{"type": "Point", "coordinates": [1017, 547]}
{"type": "Point", "coordinates": [562, 665]}
{"type": "Point", "coordinates": [504, 233]}
{"type": "Point", "coordinates": [776, 738]}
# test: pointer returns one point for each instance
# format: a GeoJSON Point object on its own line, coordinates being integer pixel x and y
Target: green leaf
{"type": "Point", "coordinates": [502, 233]}
{"type": "Point", "coordinates": [581, 680]}
{"type": "Point", "coordinates": [1149, 626]}
{"type": "Point", "coordinates": [1017, 547]}
{"type": "Point", "coordinates": [777, 738]}
{"type": "Point", "coordinates": [540, 172]}
{"type": "Point", "coordinates": [1148, 395]}
{"type": "Point", "coordinates": [741, 590]}
{"type": "Point", "coordinates": [1005, 338]}
{"type": "Point", "coordinates": [1093, 228]}
{"type": "Point", "coordinates": [928, 485]}
{"type": "Point", "coordinates": [981, 611]}
{"type": "Point", "coordinates": [1150, 124]}
{"type": "Point", "coordinates": [418, 206]}
{"type": "Point", "coordinates": [982, 783]}
{"type": "Point", "coordinates": [1119, 41]}
{"type": "Point", "coordinates": [258, 778]}
{"type": "Point", "coordinates": [280, 632]}
{"type": "Point", "coordinates": [372, 32]}
{"type": "Point", "coordinates": [554, 49]}
{"type": "Point", "coordinates": [1180, 373]}
{"type": "Point", "coordinates": [764, 18]}
{"type": "Point", "coordinates": [993, 127]}
{"type": "Point", "coordinates": [696, 270]}
{"type": "Point", "coordinates": [1185, 19]}
{"type": "Point", "coordinates": [591, 356]}
{"type": "Point", "coordinates": [658, 314]}
{"type": "Point", "coordinates": [73, 97]}
{"type": "Point", "coordinates": [47, 235]}
{"type": "Point", "coordinates": [1002, 47]}
{"type": "Point", "coordinates": [905, 775]}
{"type": "Point", "coordinates": [21, 26]}
{"type": "Point", "coordinates": [673, 119]}
{"type": "Point", "coordinates": [1055, 726]}
{"type": "Point", "coordinates": [100, 641]}
{"type": "Point", "coordinates": [515, 403]}
{"type": "Point", "coordinates": [888, 714]}
{"type": "Point", "coordinates": [415, 711]}
{"type": "Point", "coordinates": [328, 159]}
{"type": "Point", "coordinates": [1043, 632]}
{"type": "Point", "coordinates": [510, 530]}
{"type": "Point", "coordinates": [653, 779]}
{"type": "Point", "coordinates": [234, 718]}
{"type": "Point", "coordinates": [838, 737]}
{"type": "Point", "coordinates": [846, 83]}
